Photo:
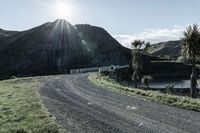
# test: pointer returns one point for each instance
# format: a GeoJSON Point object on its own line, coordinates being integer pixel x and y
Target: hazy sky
{"type": "Point", "coordinates": [152, 20]}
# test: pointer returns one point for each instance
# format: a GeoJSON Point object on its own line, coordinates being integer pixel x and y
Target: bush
{"type": "Point", "coordinates": [170, 89]}
{"type": "Point", "coordinates": [146, 80]}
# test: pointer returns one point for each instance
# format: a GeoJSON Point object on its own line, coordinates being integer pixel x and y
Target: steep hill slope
{"type": "Point", "coordinates": [57, 47]}
{"type": "Point", "coordinates": [170, 49]}
{"type": "Point", "coordinates": [100, 44]}
{"type": "Point", "coordinates": [5, 33]}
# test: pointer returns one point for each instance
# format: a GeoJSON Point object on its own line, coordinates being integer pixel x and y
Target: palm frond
{"type": "Point", "coordinates": [191, 42]}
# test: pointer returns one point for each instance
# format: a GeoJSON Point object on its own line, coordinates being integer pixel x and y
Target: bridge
{"type": "Point", "coordinates": [97, 69]}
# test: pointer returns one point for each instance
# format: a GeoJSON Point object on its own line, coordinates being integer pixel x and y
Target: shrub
{"type": "Point", "coordinates": [170, 89]}
{"type": "Point", "coordinates": [146, 80]}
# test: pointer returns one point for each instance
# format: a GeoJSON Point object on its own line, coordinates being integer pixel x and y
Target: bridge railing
{"type": "Point", "coordinates": [95, 69]}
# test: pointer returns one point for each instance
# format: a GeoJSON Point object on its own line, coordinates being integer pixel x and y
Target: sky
{"type": "Point", "coordinates": [126, 20]}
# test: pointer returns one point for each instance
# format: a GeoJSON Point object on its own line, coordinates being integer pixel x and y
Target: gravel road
{"type": "Point", "coordinates": [82, 107]}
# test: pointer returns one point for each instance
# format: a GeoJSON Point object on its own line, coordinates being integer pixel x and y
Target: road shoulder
{"type": "Point", "coordinates": [155, 96]}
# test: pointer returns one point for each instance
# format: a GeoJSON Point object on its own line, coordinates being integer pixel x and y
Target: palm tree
{"type": "Point", "coordinates": [135, 77]}
{"type": "Point", "coordinates": [191, 50]}
{"type": "Point", "coordinates": [137, 45]}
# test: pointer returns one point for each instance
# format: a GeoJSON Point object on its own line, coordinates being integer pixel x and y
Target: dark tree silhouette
{"type": "Point", "coordinates": [136, 52]}
{"type": "Point", "coordinates": [191, 50]}
{"type": "Point", "coordinates": [147, 45]}
{"type": "Point", "coordinates": [137, 44]}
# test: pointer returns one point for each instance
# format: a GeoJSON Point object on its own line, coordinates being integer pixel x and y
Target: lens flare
{"type": "Point", "coordinates": [63, 10]}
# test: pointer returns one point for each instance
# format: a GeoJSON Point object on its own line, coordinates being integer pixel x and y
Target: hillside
{"type": "Point", "coordinates": [169, 50]}
{"type": "Point", "coordinates": [56, 47]}
{"type": "Point", "coordinates": [6, 33]}
{"type": "Point", "coordinates": [102, 46]}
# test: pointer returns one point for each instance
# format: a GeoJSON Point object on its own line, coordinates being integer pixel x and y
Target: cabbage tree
{"type": "Point", "coordinates": [191, 50]}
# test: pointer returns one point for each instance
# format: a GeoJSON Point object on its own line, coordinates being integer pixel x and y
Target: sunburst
{"type": "Point", "coordinates": [63, 10]}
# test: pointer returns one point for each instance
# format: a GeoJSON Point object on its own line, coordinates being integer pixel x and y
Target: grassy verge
{"type": "Point", "coordinates": [21, 109]}
{"type": "Point", "coordinates": [156, 96]}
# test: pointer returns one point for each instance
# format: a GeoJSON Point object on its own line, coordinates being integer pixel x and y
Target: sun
{"type": "Point", "coordinates": [63, 10]}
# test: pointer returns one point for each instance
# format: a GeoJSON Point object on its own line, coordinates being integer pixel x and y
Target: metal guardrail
{"type": "Point", "coordinates": [96, 69]}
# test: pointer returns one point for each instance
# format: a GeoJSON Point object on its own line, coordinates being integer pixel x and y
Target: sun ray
{"type": "Point", "coordinates": [63, 9]}
{"type": "Point", "coordinates": [59, 9]}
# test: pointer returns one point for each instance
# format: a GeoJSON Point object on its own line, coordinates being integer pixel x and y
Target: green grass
{"type": "Point", "coordinates": [155, 96]}
{"type": "Point", "coordinates": [21, 108]}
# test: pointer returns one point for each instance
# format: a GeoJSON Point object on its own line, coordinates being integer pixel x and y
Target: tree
{"type": "Point", "coordinates": [191, 50]}
{"type": "Point", "coordinates": [147, 45]}
{"type": "Point", "coordinates": [135, 77]}
{"type": "Point", "coordinates": [137, 45]}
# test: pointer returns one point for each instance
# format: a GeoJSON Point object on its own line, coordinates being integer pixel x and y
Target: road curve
{"type": "Point", "coordinates": [82, 107]}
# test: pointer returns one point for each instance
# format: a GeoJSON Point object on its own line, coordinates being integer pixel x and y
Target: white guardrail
{"type": "Point", "coordinates": [96, 69]}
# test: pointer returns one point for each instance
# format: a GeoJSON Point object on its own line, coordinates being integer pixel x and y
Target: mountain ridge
{"type": "Point", "coordinates": [6, 33]}
{"type": "Point", "coordinates": [169, 49]}
{"type": "Point", "coordinates": [56, 47]}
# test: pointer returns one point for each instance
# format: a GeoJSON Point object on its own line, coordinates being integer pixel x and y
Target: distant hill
{"type": "Point", "coordinates": [6, 33]}
{"type": "Point", "coordinates": [56, 47]}
{"type": "Point", "coordinates": [169, 50]}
